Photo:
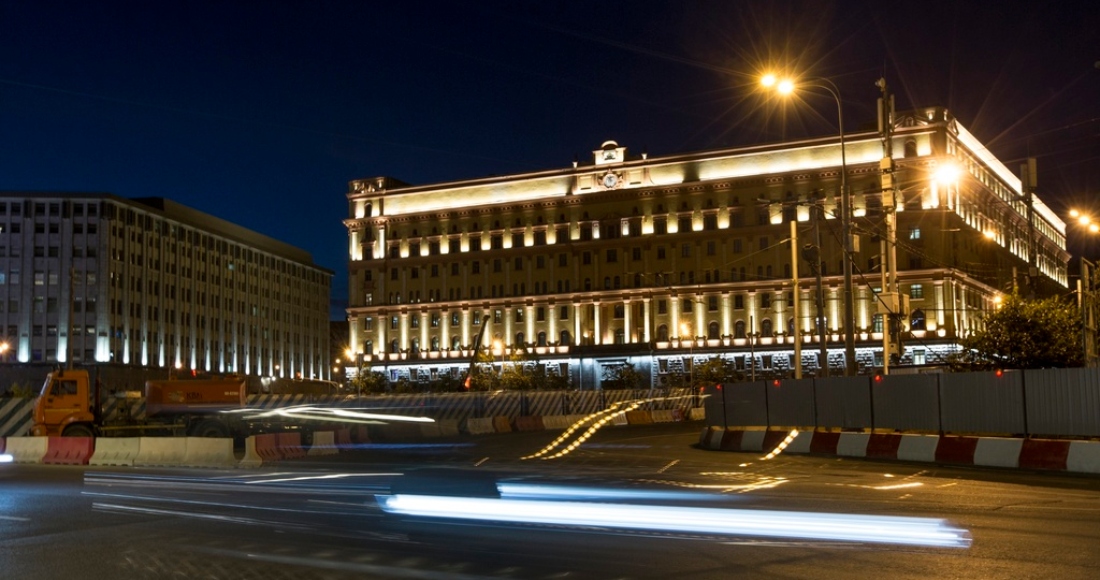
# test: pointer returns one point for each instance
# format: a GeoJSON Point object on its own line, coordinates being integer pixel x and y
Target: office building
{"type": "Point", "coordinates": [664, 262]}
{"type": "Point", "coordinates": [96, 278]}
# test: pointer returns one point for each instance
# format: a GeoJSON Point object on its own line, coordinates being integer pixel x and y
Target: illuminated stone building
{"type": "Point", "coordinates": [664, 262]}
{"type": "Point", "coordinates": [151, 283]}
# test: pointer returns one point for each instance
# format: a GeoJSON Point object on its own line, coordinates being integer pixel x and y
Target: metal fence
{"type": "Point", "coordinates": [1034, 403]}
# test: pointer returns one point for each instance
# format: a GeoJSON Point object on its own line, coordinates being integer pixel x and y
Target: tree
{"type": "Point", "coordinates": [1025, 334]}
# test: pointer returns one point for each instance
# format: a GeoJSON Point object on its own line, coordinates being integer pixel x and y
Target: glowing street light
{"type": "Point", "coordinates": [786, 87]}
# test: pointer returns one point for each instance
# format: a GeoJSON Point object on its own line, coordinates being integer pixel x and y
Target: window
{"type": "Point", "coordinates": [914, 234]}
{"type": "Point", "coordinates": [687, 306]}
{"type": "Point", "coordinates": [738, 302]}
{"type": "Point", "coordinates": [685, 251]}
{"type": "Point", "coordinates": [918, 356]}
{"type": "Point", "coordinates": [766, 328]}
{"type": "Point", "coordinates": [876, 323]}
{"type": "Point", "coordinates": [660, 226]}
{"type": "Point", "coordinates": [684, 224]}
{"type": "Point", "coordinates": [739, 329]}
{"type": "Point", "coordinates": [916, 291]}
{"type": "Point", "coordinates": [662, 307]}
{"type": "Point", "coordinates": [612, 256]}
{"type": "Point", "coordinates": [712, 303]}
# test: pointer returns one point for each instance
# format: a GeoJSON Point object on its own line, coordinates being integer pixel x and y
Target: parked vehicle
{"type": "Point", "coordinates": [71, 404]}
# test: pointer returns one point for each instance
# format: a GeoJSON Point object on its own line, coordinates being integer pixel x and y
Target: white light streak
{"type": "Point", "coordinates": [6, 458]}
{"type": "Point", "coordinates": [836, 527]}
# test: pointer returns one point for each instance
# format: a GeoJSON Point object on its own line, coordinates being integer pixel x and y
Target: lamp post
{"type": "Point", "coordinates": [786, 87]}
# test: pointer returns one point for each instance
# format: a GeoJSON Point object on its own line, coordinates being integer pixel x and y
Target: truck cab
{"type": "Point", "coordinates": [64, 405]}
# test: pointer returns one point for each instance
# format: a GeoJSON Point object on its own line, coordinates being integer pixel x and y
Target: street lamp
{"type": "Point", "coordinates": [786, 87]}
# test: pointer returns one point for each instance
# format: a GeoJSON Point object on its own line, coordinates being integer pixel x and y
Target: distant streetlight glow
{"type": "Point", "coordinates": [946, 174]}
{"type": "Point", "coordinates": [1085, 220]}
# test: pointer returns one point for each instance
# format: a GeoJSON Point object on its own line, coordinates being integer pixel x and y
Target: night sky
{"type": "Point", "coordinates": [261, 112]}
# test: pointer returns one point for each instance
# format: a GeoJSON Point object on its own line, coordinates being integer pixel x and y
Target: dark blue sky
{"type": "Point", "coordinates": [260, 112]}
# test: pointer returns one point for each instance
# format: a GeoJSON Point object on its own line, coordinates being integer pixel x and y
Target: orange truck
{"type": "Point", "coordinates": [70, 406]}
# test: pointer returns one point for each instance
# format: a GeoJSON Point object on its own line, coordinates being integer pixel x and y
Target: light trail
{"type": "Point", "coordinates": [694, 520]}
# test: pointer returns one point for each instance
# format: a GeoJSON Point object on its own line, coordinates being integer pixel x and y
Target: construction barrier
{"type": "Point", "coordinates": [160, 451]}
{"type": "Point", "coordinates": [663, 415]}
{"type": "Point", "coordinates": [998, 452]}
{"type": "Point", "coordinates": [1005, 452]}
{"type": "Point", "coordinates": [639, 418]}
{"type": "Point", "coordinates": [69, 450]}
{"type": "Point", "coordinates": [115, 451]}
{"type": "Point", "coordinates": [528, 423]}
{"type": "Point", "coordinates": [324, 443]}
{"type": "Point", "coordinates": [502, 424]}
{"type": "Point", "coordinates": [698, 414]}
{"type": "Point", "coordinates": [555, 421]}
{"type": "Point", "coordinates": [251, 457]}
{"type": "Point", "coordinates": [290, 445]}
{"type": "Point", "coordinates": [479, 426]}
{"type": "Point", "coordinates": [618, 418]}
{"type": "Point", "coordinates": [209, 452]}
{"type": "Point", "coordinates": [27, 449]}
{"type": "Point", "coordinates": [267, 447]}
{"type": "Point", "coordinates": [430, 430]}
{"type": "Point", "coordinates": [852, 444]}
{"type": "Point", "coordinates": [1083, 457]}
{"type": "Point", "coordinates": [448, 427]}
{"type": "Point", "coordinates": [343, 438]}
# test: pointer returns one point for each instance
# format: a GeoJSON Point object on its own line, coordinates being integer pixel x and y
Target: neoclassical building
{"type": "Point", "coordinates": [664, 262]}
{"type": "Point", "coordinates": [97, 278]}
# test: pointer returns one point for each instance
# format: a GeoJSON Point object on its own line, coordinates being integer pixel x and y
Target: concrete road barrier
{"type": "Point", "coordinates": [115, 451]}
{"type": "Point", "coordinates": [852, 444]}
{"type": "Point", "coordinates": [161, 451]}
{"type": "Point", "coordinates": [479, 426]}
{"type": "Point", "coordinates": [1083, 457]}
{"type": "Point", "coordinates": [209, 452]}
{"type": "Point", "coordinates": [251, 457]}
{"type": "Point", "coordinates": [27, 449]}
{"type": "Point", "coordinates": [998, 452]}
{"type": "Point", "coordinates": [324, 443]}
{"type": "Point", "coordinates": [267, 447]}
{"type": "Point", "coordinates": [502, 424]}
{"type": "Point", "coordinates": [448, 427]}
{"type": "Point", "coordinates": [918, 448]}
{"type": "Point", "coordinates": [69, 450]}
{"type": "Point", "coordinates": [290, 445]}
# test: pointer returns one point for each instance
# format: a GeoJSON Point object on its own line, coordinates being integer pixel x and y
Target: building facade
{"type": "Point", "coordinates": [666, 262]}
{"type": "Point", "coordinates": [96, 278]}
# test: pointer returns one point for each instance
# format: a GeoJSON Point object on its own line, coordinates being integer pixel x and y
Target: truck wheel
{"type": "Point", "coordinates": [209, 428]}
{"type": "Point", "coordinates": [77, 431]}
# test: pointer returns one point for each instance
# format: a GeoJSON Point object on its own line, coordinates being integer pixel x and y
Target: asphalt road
{"type": "Point", "coordinates": [320, 518]}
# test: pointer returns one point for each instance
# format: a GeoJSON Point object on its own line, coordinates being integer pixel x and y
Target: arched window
{"type": "Point", "coordinates": [910, 148]}
{"type": "Point", "coordinates": [455, 344]}
{"type": "Point", "coordinates": [662, 333]}
{"type": "Point", "coordinates": [766, 328]}
{"type": "Point", "coordinates": [519, 340]}
{"type": "Point", "coordinates": [712, 331]}
{"type": "Point", "coordinates": [541, 339]}
{"type": "Point", "coordinates": [739, 329]}
{"type": "Point", "coordinates": [393, 346]}
{"type": "Point", "coordinates": [368, 347]}
{"type": "Point", "coordinates": [435, 343]}
{"type": "Point", "coordinates": [565, 340]}
{"type": "Point", "coordinates": [790, 326]}
{"type": "Point", "coordinates": [916, 320]}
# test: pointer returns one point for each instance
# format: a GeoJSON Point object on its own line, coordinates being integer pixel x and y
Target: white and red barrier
{"type": "Point", "coordinates": [27, 449]}
{"type": "Point", "coordinates": [1038, 454]}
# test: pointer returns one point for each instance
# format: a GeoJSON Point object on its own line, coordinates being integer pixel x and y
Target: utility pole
{"type": "Point", "coordinates": [819, 299]}
{"type": "Point", "coordinates": [892, 305]}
